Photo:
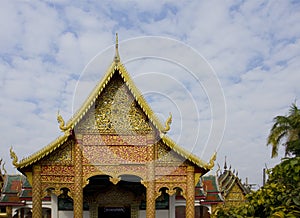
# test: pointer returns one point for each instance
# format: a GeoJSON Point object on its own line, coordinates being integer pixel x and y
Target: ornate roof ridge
{"type": "Point", "coordinates": [188, 155]}
{"type": "Point", "coordinates": [43, 152]}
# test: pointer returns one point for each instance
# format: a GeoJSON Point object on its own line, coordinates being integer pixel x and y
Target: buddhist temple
{"type": "Point", "coordinates": [211, 193]}
{"type": "Point", "coordinates": [113, 159]}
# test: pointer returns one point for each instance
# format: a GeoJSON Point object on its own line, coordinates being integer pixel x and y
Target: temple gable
{"type": "Point", "coordinates": [115, 111]}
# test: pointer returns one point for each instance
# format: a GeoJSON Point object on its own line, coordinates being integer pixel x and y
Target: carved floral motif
{"type": "Point", "coordinates": [93, 139]}
{"type": "Point", "coordinates": [61, 156]}
{"type": "Point", "coordinates": [116, 154]}
{"type": "Point", "coordinates": [57, 170]}
{"type": "Point", "coordinates": [57, 179]}
{"type": "Point", "coordinates": [116, 112]}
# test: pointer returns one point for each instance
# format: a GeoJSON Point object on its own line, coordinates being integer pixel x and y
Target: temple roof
{"type": "Point", "coordinates": [115, 67]}
{"type": "Point", "coordinates": [212, 190]}
{"type": "Point", "coordinates": [228, 179]}
{"type": "Point", "coordinates": [11, 189]}
{"type": "Point", "coordinates": [16, 189]}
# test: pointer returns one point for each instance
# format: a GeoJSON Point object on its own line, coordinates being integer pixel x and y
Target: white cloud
{"type": "Point", "coordinates": [252, 46]}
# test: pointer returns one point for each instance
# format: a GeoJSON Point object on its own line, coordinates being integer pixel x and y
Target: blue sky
{"type": "Point", "coordinates": [252, 46]}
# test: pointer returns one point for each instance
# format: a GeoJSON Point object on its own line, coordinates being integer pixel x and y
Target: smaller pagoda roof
{"type": "Point", "coordinates": [11, 189]}
{"type": "Point", "coordinates": [208, 186]}
{"type": "Point", "coordinates": [228, 179]}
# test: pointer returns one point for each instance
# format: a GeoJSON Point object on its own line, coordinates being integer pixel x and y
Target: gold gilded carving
{"type": "Point", "coordinates": [36, 192]}
{"type": "Point", "coordinates": [57, 179]}
{"type": "Point", "coordinates": [166, 155]}
{"type": "Point", "coordinates": [61, 122]}
{"type": "Point", "coordinates": [169, 170]}
{"type": "Point", "coordinates": [114, 180]}
{"type": "Point", "coordinates": [168, 123]}
{"type": "Point", "coordinates": [115, 111]}
{"type": "Point", "coordinates": [190, 192]}
{"type": "Point", "coordinates": [106, 155]}
{"type": "Point", "coordinates": [57, 170]}
{"type": "Point", "coordinates": [144, 183]}
{"type": "Point", "coordinates": [113, 170]}
{"type": "Point", "coordinates": [96, 139]}
{"type": "Point", "coordinates": [61, 156]}
{"type": "Point", "coordinates": [211, 162]}
{"type": "Point", "coordinates": [235, 196]}
{"type": "Point", "coordinates": [14, 157]}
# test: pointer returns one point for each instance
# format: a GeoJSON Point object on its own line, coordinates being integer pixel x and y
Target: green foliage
{"type": "Point", "coordinates": [286, 130]}
{"type": "Point", "coordinates": [279, 197]}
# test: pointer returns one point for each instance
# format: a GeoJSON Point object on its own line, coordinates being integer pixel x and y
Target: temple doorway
{"type": "Point", "coordinates": [113, 198]}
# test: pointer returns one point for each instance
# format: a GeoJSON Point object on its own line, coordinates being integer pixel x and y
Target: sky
{"type": "Point", "coordinates": [224, 70]}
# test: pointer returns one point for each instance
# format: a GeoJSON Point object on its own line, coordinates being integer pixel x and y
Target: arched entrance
{"type": "Point", "coordinates": [107, 199]}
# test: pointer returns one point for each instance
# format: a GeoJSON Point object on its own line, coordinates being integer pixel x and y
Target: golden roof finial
{"type": "Point", "coordinates": [14, 157]}
{"type": "Point", "coordinates": [168, 123]}
{"type": "Point", "coordinates": [117, 56]}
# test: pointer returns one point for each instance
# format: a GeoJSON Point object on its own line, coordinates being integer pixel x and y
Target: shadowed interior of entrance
{"type": "Point", "coordinates": [114, 200]}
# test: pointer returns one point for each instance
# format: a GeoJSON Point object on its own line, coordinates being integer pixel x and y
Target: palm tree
{"type": "Point", "coordinates": [286, 129]}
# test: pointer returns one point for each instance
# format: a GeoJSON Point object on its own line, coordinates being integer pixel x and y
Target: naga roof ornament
{"type": "Point", "coordinates": [168, 123]}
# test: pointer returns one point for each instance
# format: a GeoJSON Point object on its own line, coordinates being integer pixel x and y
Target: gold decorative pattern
{"type": "Point", "coordinates": [190, 193]}
{"type": "Point", "coordinates": [114, 180]}
{"type": "Point", "coordinates": [167, 155]}
{"type": "Point", "coordinates": [58, 179]}
{"type": "Point", "coordinates": [115, 111]}
{"type": "Point", "coordinates": [43, 152]}
{"type": "Point", "coordinates": [150, 199]}
{"type": "Point", "coordinates": [57, 170]}
{"type": "Point", "coordinates": [235, 196]}
{"type": "Point", "coordinates": [116, 154]}
{"type": "Point", "coordinates": [113, 170]}
{"type": "Point", "coordinates": [36, 193]}
{"type": "Point", "coordinates": [63, 155]}
{"type": "Point", "coordinates": [78, 191]}
{"type": "Point", "coordinates": [97, 139]}
{"type": "Point", "coordinates": [170, 170]}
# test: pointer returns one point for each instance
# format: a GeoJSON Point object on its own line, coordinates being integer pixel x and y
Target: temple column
{"type": "Point", "coordinates": [172, 202]}
{"type": "Point", "coordinates": [54, 207]}
{"type": "Point", "coordinates": [150, 191]}
{"type": "Point", "coordinates": [78, 190]}
{"type": "Point", "coordinates": [36, 192]}
{"type": "Point", "coordinates": [150, 198]}
{"type": "Point", "coordinates": [190, 193]}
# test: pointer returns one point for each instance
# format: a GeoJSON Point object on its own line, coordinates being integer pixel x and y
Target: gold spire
{"type": "Point", "coordinates": [117, 56]}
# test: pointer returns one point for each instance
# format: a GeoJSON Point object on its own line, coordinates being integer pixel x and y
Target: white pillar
{"type": "Point", "coordinates": [172, 206]}
{"type": "Point", "coordinates": [54, 206]}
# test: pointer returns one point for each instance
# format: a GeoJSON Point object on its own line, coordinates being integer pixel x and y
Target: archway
{"type": "Point", "coordinates": [119, 199]}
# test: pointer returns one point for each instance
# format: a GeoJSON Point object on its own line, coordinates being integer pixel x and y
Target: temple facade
{"type": "Point", "coordinates": [114, 159]}
{"type": "Point", "coordinates": [211, 193]}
